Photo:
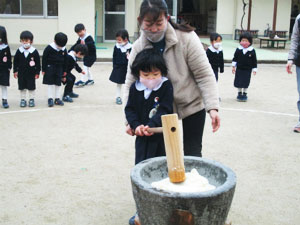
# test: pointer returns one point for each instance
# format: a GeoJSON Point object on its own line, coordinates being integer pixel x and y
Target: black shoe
{"type": "Point", "coordinates": [23, 103]}
{"type": "Point", "coordinates": [67, 98]}
{"type": "Point", "coordinates": [31, 103]}
{"type": "Point", "coordinates": [131, 220]}
{"type": "Point", "coordinates": [58, 102]}
{"type": "Point", "coordinates": [50, 102]}
{"type": "Point", "coordinates": [73, 95]}
{"type": "Point", "coordinates": [239, 98]}
{"type": "Point", "coordinates": [5, 104]}
{"type": "Point", "coordinates": [244, 97]}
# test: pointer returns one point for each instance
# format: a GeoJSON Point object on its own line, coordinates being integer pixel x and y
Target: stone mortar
{"type": "Point", "coordinates": [156, 207]}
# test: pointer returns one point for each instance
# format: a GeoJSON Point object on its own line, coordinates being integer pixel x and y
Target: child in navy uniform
{"type": "Point", "coordinates": [54, 67]}
{"type": "Point", "coordinates": [79, 51]}
{"type": "Point", "coordinates": [5, 65]}
{"type": "Point", "coordinates": [120, 62]}
{"type": "Point", "coordinates": [27, 68]}
{"type": "Point", "coordinates": [215, 54]}
{"type": "Point", "coordinates": [243, 64]}
{"type": "Point", "coordinates": [150, 97]}
{"type": "Point", "coordinates": [90, 58]}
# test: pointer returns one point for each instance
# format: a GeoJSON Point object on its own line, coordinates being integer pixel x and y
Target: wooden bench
{"type": "Point", "coordinates": [271, 42]}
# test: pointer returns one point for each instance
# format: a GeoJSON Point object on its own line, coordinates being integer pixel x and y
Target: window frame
{"type": "Point", "coordinates": [18, 16]}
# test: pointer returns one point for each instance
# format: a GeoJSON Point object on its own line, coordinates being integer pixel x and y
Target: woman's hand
{"type": "Point", "coordinates": [289, 67]}
{"type": "Point", "coordinates": [129, 130]}
{"type": "Point", "coordinates": [215, 119]}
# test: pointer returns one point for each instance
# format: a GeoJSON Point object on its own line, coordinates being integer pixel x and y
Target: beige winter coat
{"type": "Point", "coordinates": [189, 71]}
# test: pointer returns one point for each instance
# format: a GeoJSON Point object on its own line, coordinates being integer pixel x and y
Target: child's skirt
{"type": "Point", "coordinates": [242, 78]}
{"type": "Point", "coordinates": [26, 81]}
{"type": "Point", "coordinates": [118, 74]}
{"type": "Point", "coordinates": [4, 77]}
{"type": "Point", "coordinates": [53, 75]}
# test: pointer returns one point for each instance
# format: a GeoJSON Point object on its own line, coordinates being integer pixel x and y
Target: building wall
{"type": "Point", "coordinates": [262, 14]}
{"type": "Point", "coordinates": [100, 10]}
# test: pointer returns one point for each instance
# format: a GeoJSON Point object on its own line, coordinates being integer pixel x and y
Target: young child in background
{"type": "Point", "coordinates": [79, 51]}
{"type": "Point", "coordinates": [89, 59]}
{"type": "Point", "coordinates": [120, 62]}
{"type": "Point", "coordinates": [27, 68]}
{"type": "Point", "coordinates": [215, 54]}
{"type": "Point", "coordinates": [244, 63]}
{"type": "Point", "coordinates": [150, 97]}
{"type": "Point", "coordinates": [5, 65]}
{"type": "Point", "coordinates": [54, 64]}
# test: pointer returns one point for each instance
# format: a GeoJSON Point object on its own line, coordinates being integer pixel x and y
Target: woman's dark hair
{"type": "Point", "coordinates": [215, 36]}
{"type": "Point", "coordinates": [155, 8]}
{"type": "Point", "coordinates": [147, 60]}
{"type": "Point", "coordinates": [123, 34]}
{"type": "Point", "coordinates": [61, 39]}
{"type": "Point", "coordinates": [79, 27]}
{"type": "Point", "coordinates": [83, 49]}
{"type": "Point", "coordinates": [3, 35]}
{"type": "Point", "coordinates": [26, 35]}
{"type": "Point", "coordinates": [247, 36]}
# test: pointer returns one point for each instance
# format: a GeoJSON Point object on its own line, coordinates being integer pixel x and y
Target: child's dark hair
{"type": "Point", "coordinates": [3, 35]}
{"type": "Point", "coordinates": [83, 49]}
{"type": "Point", "coordinates": [147, 60]}
{"type": "Point", "coordinates": [79, 27]}
{"type": "Point", "coordinates": [26, 35]}
{"type": "Point", "coordinates": [123, 34]}
{"type": "Point", "coordinates": [215, 36]}
{"type": "Point", "coordinates": [155, 8]}
{"type": "Point", "coordinates": [247, 36]}
{"type": "Point", "coordinates": [61, 39]}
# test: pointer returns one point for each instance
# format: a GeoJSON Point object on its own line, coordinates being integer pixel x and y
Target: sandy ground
{"type": "Point", "coordinates": [70, 165]}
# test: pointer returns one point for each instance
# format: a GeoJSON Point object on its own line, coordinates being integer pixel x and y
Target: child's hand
{"type": "Point", "coordinates": [65, 74]}
{"type": "Point", "coordinates": [37, 76]}
{"type": "Point", "coordinates": [127, 55]}
{"type": "Point", "coordinates": [16, 75]}
{"type": "Point", "coordinates": [43, 73]}
{"type": "Point", "coordinates": [146, 131]}
{"type": "Point", "coordinates": [83, 72]}
{"type": "Point", "coordinates": [233, 70]}
{"type": "Point", "coordinates": [64, 79]}
{"type": "Point", "coordinates": [82, 42]}
{"type": "Point", "coordinates": [254, 73]}
{"type": "Point", "coordinates": [139, 131]}
{"type": "Point", "coordinates": [129, 130]}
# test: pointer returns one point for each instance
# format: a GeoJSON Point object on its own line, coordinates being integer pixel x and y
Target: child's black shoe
{"type": "Point", "coordinates": [58, 102]}
{"type": "Point", "coordinates": [23, 103]}
{"type": "Point", "coordinates": [50, 102]}
{"type": "Point", "coordinates": [239, 98]}
{"type": "Point", "coordinates": [31, 103]}
{"type": "Point", "coordinates": [67, 98]}
{"type": "Point", "coordinates": [244, 97]}
{"type": "Point", "coordinates": [5, 104]}
{"type": "Point", "coordinates": [73, 95]}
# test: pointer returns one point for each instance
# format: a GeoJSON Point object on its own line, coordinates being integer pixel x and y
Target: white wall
{"type": "Point", "coordinates": [226, 16]}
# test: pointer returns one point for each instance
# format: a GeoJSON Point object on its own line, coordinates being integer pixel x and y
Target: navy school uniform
{"type": "Point", "coordinates": [54, 64]}
{"type": "Point", "coordinates": [91, 57]}
{"type": "Point", "coordinates": [27, 64]}
{"type": "Point", "coordinates": [216, 60]}
{"type": "Point", "coordinates": [245, 61]}
{"type": "Point", "coordinates": [70, 78]}
{"type": "Point", "coordinates": [140, 110]}
{"type": "Point", "coordinates": [5, 64]}
{"type": "Point", "coordinates": [120, 63]}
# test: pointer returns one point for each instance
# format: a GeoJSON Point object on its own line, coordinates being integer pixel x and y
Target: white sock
{"type": "Point", "coordinates": [4, 92]}
{"type": "Point", "coordinates": [23, 94]}
{"type": "Point", "coordinates": [245, 90]}
{"type": "Point", "coordinates": [118, 90]}
{"type": "Point", "coordinates": [57, 91]}
{"type": "Point", "coordinates": [84, 77]}
{"type": "Point", "coordinates": [51, 91]}
{"type": "Point", "coordinates": [239, 89]}
{"type": "Point", "coordinates": [31, 94]}
{"type": "Point", "coordinates": [88, 73]}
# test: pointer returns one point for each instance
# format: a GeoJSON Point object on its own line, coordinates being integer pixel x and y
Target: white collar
{"type": "Point", "coordinates": [71, 53]}
{"type": "Point", "coordinates": [54, 46]}
{"type": "Point", "coordinates": [124, 48]}
{"type": "Point", "coordinates": [245, 50]}
{"type": "Point", "coordinates": [3, 46]}
{"type": "Point", "coordinates": [215, 50]}
{"type": "Point", "coordinates": [31, 49]}
{"type": "Point", "coordinates": [141, 87]}
{"type": "Point", "coordinates": [85, 36]}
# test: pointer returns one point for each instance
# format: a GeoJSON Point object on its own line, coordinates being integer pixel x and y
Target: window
{"type": "Point", "coordinates": [29, 8]}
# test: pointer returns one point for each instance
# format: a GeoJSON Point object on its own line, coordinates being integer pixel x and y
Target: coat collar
{"type": "Point", "coordinates": [211, 48]}
{"type": "Point", "coordinates": [71, 53]}
{"type": "Point", "coordinates": [85, 36]}
{"type": "Point", "coordinates": [141, 87]}
{"type": "Point", "coordinates": [245, 50]}
{"type": "Point", "coordinates": [170, 37]}
{"type": "Point", "coordinates": [54, 46]}
{"type": "Point", "coordinates": [124, 48]}
{"type": "Point", "coordinates": [3, 46]}
{"type": "Point", "coordinates": [30, 50]}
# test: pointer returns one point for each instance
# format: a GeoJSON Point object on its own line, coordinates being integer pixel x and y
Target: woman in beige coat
{"type": "Point", "coordinates": [195, 88]}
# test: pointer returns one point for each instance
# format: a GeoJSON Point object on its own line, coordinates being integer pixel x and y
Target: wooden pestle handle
{"type": "Point", "coordinates": [155, 130]}
{"type": "Point", "coordinates": [173, 147]}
